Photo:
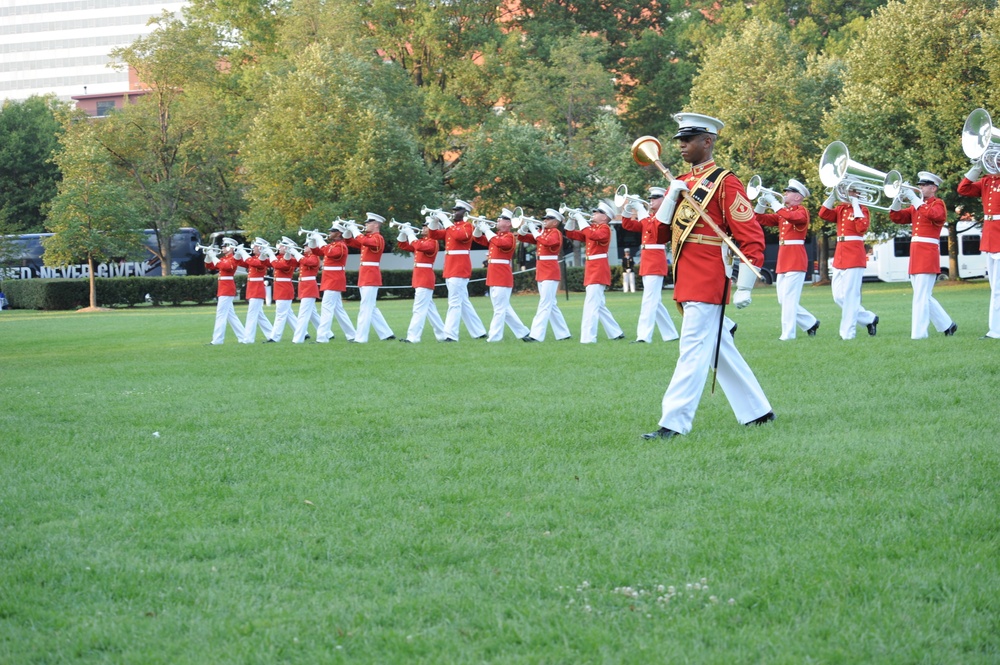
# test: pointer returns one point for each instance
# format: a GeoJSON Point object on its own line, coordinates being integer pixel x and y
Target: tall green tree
{"type": "Point", "coordinates": [93, 216]}
{"type": "Point", "coordinates": [29, 138]}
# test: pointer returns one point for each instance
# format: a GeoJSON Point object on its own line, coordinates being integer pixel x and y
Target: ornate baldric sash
{"type": "Point", "coordinates": [685, 216]}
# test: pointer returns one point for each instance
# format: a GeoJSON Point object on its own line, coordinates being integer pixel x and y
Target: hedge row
{"type": "Point", "coordinates": [61, 294]}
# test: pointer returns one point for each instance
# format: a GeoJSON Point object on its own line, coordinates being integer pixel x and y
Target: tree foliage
{"type": "Point", "coordinates": [29, 138]}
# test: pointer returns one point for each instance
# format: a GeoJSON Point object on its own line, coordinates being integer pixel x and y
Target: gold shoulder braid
{"type": "Point", "coordinates": [685, 216]}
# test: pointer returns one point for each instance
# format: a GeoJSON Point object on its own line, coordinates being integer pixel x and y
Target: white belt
{"type": "Point", "coordinates": [455, 252]}
{"type": "Point", "coordinates": [373, 264]}
{"type": "Point", "coordinates": [929, 241]}
{"type": "Point", "coordinates": [792, 242]}
{"type": "Point", "coordinates": [255, 279]}
{"type": "Point", "coordinates": [333, 267]}
{"type": "Point", "coordinates": [423, 265]}
{"type": "Point", "coordinates": [282, 279]}
{"type": "Point", "coordinates": [229, 278]}
{"type": "Point", "coordinates": [505, 262]}
{"type": "Point", "coordinates": [991, 218]}
{"type": "Point", "coordinates": [597, 256]}
{"type": "Point", "coordinates": [654, 246]}
{"type": "Point", "coordinates": [548, 257]}
{"type": "Point", "coordinates": [850, 238]}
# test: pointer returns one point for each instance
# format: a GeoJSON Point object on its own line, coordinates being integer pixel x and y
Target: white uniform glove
{"type": "Point", "coordinates": [666, 212]}
{"type": "Point", "coordinates": [831, 201]}
{"type": "Point", "coordinates": [433, 223]}
{"type": "Point", "coordinates": [411, 236]}
{"type": "Point", "coordinates": [241, 254]}
{"type": "Point", "coordinates": [477, 229]}
{"type": "Point", "coordinates": [522, 230]}
{"type": "Point", "coordinates": [401, 238]}
{"type": "Point", "coordinates": [488, 232]}
{"type": "Point", "coordinates": [856, 206]}
{"type": "Point", "coordinates": [897, 203]}
{"type": "Point", "coordinates": [318, 240]}
{"type": "Point", "coordinates": [916, 200]}
{"type": "Point", "coordinates": [444, 219]}
{"type": "Point", "coordinates": [268, 254]}
{"type": "Point", "coordinates": [570, 224]}
{"type": "Point", "coordinates": [211, 257]}
{"type": "Point", "coordinates": [745, 282]}
{"type": "Point", "coordinates": [761, 207]}
{"type": "Point", "coordinates": [535, 231]}
{"type": "Point", "coordinates": [348, 231]}
{"type": "Point", "coordinates": [976, 172]}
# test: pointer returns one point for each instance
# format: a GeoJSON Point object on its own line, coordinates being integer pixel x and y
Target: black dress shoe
{"type": "Point", "coordinates": [308, 337]}
{"type": "Point", "coordinates": [732, 331]}
{"type": "Point", "coordinates": [388, 338]}
{"type": "Point", "coordinates": [766, 418]}
{"type": "Point", "coordinates": [622, 336]}
{"type": "Point", "coordinates": [563, 339]}
{"type": "Point", "coordinates": [662, 433]}
{"type": "Point", "coordinates": [987, 337]}
{"type": "Point", "coordinates": [268, 341]}
{"type": "Point", "coordinates": [952, 329]}
{"type": "Point", "coordinates": [638, 341]}
{"type": "Point", "coordinates": [449, 339]}
{"type": "Point", "coordinates": [812, 331]}
{"type": "Point", "coordinates": [480, 337]}
{"type": "Point", "coordinates": [528, 338]}
{"type": "Point", "coordinates": [405, 341]}
{"type": "Point", "coordinates": [873, 327]}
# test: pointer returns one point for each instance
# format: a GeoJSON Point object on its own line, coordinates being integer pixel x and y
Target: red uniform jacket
{"type": "Point", "coordinates": [227, 268]}
{"type": "Point", "coordinates": [334, 260]}
{"type": "Point", "coordinates": [987, 187]}
{"type": "Point", "coordinates": [927, 221]}
{"type": "Point", "coordinates": [283, 271]}
{"type": "Point", "coordinates": [701, 275]}
{"type": "Point", "coordinates": [424, 250]}
{"type": "Point", "coordinates": [256, 269]}
{"type": "Point", "coordinates": [793, 225]}
{"type": "Point", "coordinates": [308, 268]}
{"type": "Point", "coordinates": [498, 269]}
{"type": "Point", "coordinates": [849, 253]}
{"type": "Point", "coordinates": [598, 238]}
{"type": "Point", "coordinates": [371, 245]}
{"type": "Point", "coordinates": [549, 247]}
{"type": "Point", "coordinates": [457, 241]}
{"type": "Point", "coordinates": [655, 240]}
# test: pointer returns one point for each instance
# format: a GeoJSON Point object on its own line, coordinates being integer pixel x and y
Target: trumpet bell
{"type": "Point", "coordinates": [978, 134]}
{"type": "Point", "coordinates": [621, 196]}
{"type": "Point", "coordinates": [646, 150]}
{"type": "Point", "coordinates": [893, 184]}
{"type": "Point", "coordinates": [754, 186]}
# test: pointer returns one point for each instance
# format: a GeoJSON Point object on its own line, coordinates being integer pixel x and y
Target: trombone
{"type": "Point", "coordinates": [842, 174]}
{"type": "Point", "coordinates": [622, 197]}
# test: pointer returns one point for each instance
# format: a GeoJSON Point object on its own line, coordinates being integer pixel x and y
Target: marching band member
{"type": "Point", "coordinates": [652, 268]}
{"type": "Point", "coordinates": [987, 187]}
{"type": "Point", "coordinates": [256, 265]}
{"type": "Point", "coordinates": [457, 271]}
{"type": "Point", "coordinates": [372, 245]}
{"type": "Point", "coordinates": [284, 267]}
{"type": "Point", "coordinates": [308, 292]}
{"type": "Point", "coordinates": [500, 277]}
{"type": "Point", "coordinates": [701, 282]}
{"type": "Point", "coordinates": [849, 261]}
{"type": "Point", "coordinates": [927, 215]}
{"type": "Point", "coordinates": [225, 292]}
{"type": "Point", "coordinates": [792, 220]}
{"type": "Point", "coordinates": [597, 274]}
{"type": "Point", "coordinates": [549, 241]}
{"type": "Point", "coordinates": [425, 250]}
{"type": "Point", "coordinates": [333, 284]}
{"type": "Point", "coordinates": [628, 272]}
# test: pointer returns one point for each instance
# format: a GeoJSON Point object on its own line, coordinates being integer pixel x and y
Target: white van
{"type": "Point", "coordinates": [891, 258]}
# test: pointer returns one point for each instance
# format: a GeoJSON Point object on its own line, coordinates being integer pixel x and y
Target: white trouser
{"type": "Point", "coordinates": [926, 309]}
{"type": "Point", "coordinates": [503, 313]}
{"type": "Point", "coordinates": [789, 287]}
{"type": "Point", "coordinates": [628, 282]}
{"type": "Point", "coordinates": [548, 312]}
{"type": "Point", "coordinates": [225, 312]}
{"type": "Point", "coordinates": [595, 309]}
{"type": "Point", "coordinates": [461, 309]}
{"type": "Point", "coordinates": [699, 330]}
{"type": "Point", "coordinates": [333, 306]}
{"type": "Point", "coordinates": [369, 316]}
{"type": "Point", "coordinates": [992, 270]}
{"type": "Point", "coordinates": [652, 311]}
{"type": "Point", "coordinates": [307, 315]}
{"type": "Point", "coordinates": [846, 287]}
{"type": "Point", "coordinates": [424, 309]}
{"type": "Point", "coordinates": [282, 317]}
{"type": "Point", "coordinates": [255, 317]}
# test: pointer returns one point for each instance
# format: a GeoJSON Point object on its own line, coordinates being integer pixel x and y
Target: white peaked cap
{"type": "Point", "coordinates": [507, 213]}
{"type": "Point", "coordinates": [797, 186]}
{"type": "Point", "coordinates": [287, 242]}
{"type": "Point", "coordinates": [692, 124]}
{"type": "Point", "coordinates": [261, 242]}
{"type": "Point", "coordinates": [459, 203]}
{"type": "Point", "coordinates": [927, 176]}
{"type": "Point", "coordinates": [552, 212]}
{"type": "Point", "coordinates": [657, 190]}
{"type": "Point", "coordinates": [607, 207]}
{"type": "Point", "coordinates": [229, 242]}
{"type": "Point", "coordinates": [372, 217]}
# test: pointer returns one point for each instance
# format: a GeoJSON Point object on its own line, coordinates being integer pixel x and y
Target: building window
{"type": "Point", "coordinates": [105, 108]}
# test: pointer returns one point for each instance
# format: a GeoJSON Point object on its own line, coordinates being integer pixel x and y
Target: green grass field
{"type": "Point", "coordinates": [473, 502]}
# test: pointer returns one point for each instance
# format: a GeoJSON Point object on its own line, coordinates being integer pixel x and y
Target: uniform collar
{"type": "Point", "coordinates": [703, 168]}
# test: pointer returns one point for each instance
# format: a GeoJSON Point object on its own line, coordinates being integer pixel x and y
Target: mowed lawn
{"type": "Point", "coordinates": [164, 501]}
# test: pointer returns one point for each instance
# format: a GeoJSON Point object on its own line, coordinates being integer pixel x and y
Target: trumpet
{"type": "Point", "coordinates": [356, 228]}
{"type": "Point", "coordinates": [481, 220]}
{"type": "Point", "coordinates": [305, 232]}
{"type": "Point", "coordinates": [207, 248]}
{"type": "Point", "coordinates": [755, 188]}
{"type": "Point", "coordinates": [842, 174]}
{"type": "Point", "coordinates": [981, 140]}
{"type": "Point", "coordinates": [520, 219]}
{"type": "Point", "coordinates": [403, 225]}
{"type": "Point", "coordinates": [622, 197]}
{"type": "Point", "coordinates": [895, 187]}
{"type": "Point", "coordinates": [578, 213]}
